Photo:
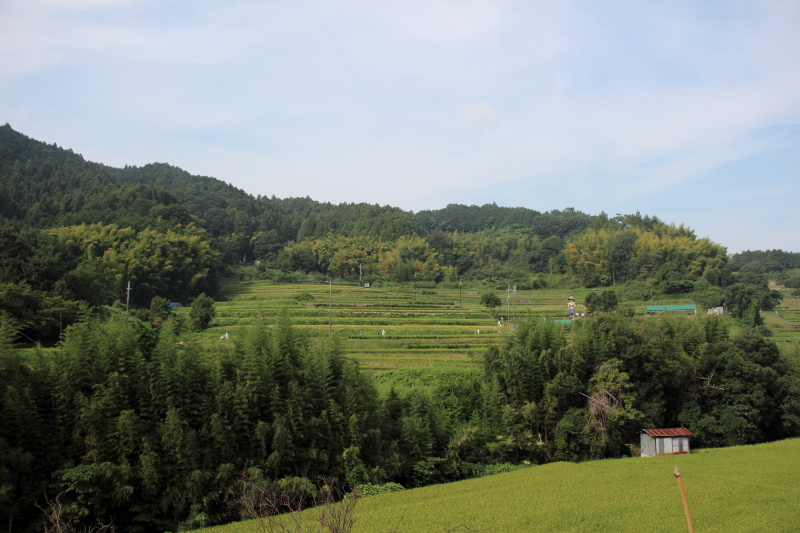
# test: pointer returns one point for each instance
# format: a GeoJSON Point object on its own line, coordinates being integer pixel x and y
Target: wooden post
{"type": "Point", "coordinates": [677, 475]}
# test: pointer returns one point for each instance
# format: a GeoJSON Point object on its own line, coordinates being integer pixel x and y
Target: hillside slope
{"type": "Point", "coordinates": [44, 186]}
{"type": "Point", "coordinates": [732, 490]}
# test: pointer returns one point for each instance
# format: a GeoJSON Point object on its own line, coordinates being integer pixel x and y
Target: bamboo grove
{"type": "Point", "coordinates": [123, 423]}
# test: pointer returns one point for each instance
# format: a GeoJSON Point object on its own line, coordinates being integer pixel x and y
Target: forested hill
{"type": "Point", "coordinates": [471, 219]}
{"type": "Point", "coordinates": [61, 211]}
{"type": "Point", "coordinates": [765, 261]}
{"type": "Point", "coordinates": [225, 210]}
{"type": "Point", "coordinates": [44, 186]}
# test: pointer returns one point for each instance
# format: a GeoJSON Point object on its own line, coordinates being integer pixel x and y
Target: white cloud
{"type": "Point", "coordinates": [477, 116]}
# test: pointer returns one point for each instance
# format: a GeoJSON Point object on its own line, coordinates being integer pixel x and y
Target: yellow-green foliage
{"type": "Point", "coordinates": [175, 263]}
{"type": "Point", "coordinates": [739, 489]}
{"type": "Point", "coordinates": [592, 254]}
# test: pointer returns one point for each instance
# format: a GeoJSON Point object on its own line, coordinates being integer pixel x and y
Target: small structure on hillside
{"type": "Point", "coordinates": [175, 305]}
{"type": "Point", "coordinates": [668, 441]}
{"type": "Point", "coordinates": [685, 309]}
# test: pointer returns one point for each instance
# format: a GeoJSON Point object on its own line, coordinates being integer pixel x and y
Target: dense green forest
{"type": "Point", "coordinates": [762, 262]}
{"type": "Point", "coordinates": [785, 266]}
{"type": "Point", "coordinates": [128, 425]}
{"type": "Point", "coordinates": [124, 422]}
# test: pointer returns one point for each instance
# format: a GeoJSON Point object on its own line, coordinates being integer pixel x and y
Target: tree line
{"type": "Point", "coordinates": [45, 186]}
{"type": "Point", "coordinates": [50, 278]}
{"type": "Point", "coordinates": [765, 261]}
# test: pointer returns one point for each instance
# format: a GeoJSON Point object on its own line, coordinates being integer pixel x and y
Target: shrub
{"type": "Point", "coordinates": [538, 282]}
{"type": "Point", "coordinates": [202, 312]}
{"type": "Point", "coordinates": [490, 300]}
{"type": "Point", "coordinates": [303, 297]}
{"type": "Point", "coordinates": [368, 489]}
{"type": "Point", "coordinates": [601, 301]}
{"type": "Point", "coordinates": [635, 290]}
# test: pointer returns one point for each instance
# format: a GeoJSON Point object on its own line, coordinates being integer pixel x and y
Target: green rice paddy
{"type": "Point", "coordinates": [784, 322]}
{"type": "Point", "coordinates": [390, 326]}
{"type": "Point", "coordinates": [387, 327]}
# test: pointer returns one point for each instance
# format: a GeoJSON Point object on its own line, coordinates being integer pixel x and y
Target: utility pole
{"type": "Point", "coordinates": [330, 307]}
{"type": "Point", "coordinates": [415, 285]}
{"type": "Point", "coordinates": [508, 301]}
{"type": "Point", "coordinates": [514, 293]}
{"type": "Point", "coordinates": [127, 301]}
{"type": "Point", "coordinates": [359, 273]}
{"type": "Point", "coordinates": [459, 294]}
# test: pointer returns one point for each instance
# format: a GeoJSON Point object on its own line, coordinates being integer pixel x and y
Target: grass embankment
{"type": "Point", "coordinates": [731, 490]}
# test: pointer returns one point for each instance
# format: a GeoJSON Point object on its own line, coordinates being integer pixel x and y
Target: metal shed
{"type": "Point", "coordinates": [668, 441]}
{"type": "Point", "coordinates": [685, 309]}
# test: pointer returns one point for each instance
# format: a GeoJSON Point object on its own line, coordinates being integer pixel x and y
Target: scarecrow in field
{"type": "Point", "coordinates": [571, 307]}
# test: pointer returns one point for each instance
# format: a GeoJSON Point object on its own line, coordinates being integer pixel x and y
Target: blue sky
{"type": "Point", "coordinates": [689, 111]}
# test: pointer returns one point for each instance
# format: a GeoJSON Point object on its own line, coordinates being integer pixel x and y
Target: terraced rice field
{"type": "Point", "coordinates": [386, 327]}
{"type": "Point", "coordinates": [785, 323]}
{"type": "Point", "coordinates": [390, 325]}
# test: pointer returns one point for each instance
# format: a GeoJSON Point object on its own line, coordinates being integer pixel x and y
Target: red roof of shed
{"type": "Point", "coordinates": [668, 432]}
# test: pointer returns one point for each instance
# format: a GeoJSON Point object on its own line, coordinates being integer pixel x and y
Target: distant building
{"type": "Point", "coordinates": [669, 441]}
{"type": "Point", "coordinates": [175, 305]}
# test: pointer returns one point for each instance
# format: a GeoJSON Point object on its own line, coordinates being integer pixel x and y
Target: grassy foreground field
{"type": "Point", "coordinates": [732, 490]}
